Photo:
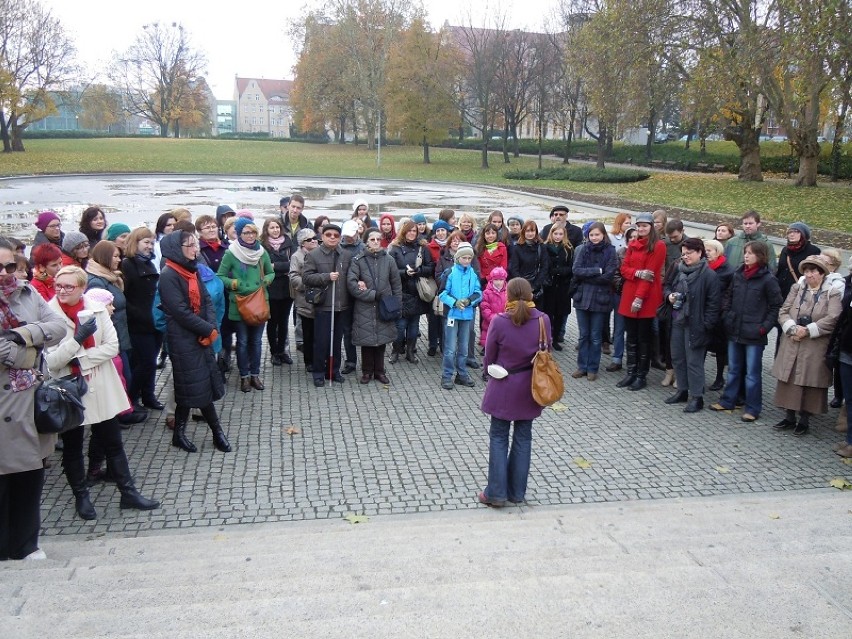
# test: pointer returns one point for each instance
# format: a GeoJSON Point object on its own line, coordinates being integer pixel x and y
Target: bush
{"type": "Point", "coordinates": [579, 174]}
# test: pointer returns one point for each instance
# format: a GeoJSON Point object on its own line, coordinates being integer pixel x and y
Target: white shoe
{"type": "Point", "coordinates": [36, 555]}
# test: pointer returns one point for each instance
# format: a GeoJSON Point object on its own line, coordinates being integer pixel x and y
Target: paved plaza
{"type": "Point", "coordinates": [412, 447]}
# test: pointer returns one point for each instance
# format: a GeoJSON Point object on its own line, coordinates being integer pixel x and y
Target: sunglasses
{"type": "Point", "coordinates": [309, 239]}
{"type": "Point", "coordinates": [9, 267]}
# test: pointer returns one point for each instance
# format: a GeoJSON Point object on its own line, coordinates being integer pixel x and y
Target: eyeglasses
{"type": "Point", "coordinates": [331, 236]}
{"type": "Point", "coordinates": [9, 267]}
{"type": "Point", "coordinates": [54, 225]}
{"type": "Point", "coordinates": [374, 239]}
{"type": "Point", "coordinates": [65, 288]}
{"type": "Point", "coordinates": [209, 227]}
{"type": "Point", "coordinates": [248, 232]}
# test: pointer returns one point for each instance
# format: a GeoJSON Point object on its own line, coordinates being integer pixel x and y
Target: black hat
{"type": "Point", "coordinates": [331, 227]}
{"type": "Point", "coordinates": [559, 207]}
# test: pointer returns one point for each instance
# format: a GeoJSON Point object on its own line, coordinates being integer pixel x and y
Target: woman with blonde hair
{"type": "Point", "coordinates": [556, 301]}
{"type": "Point", "coordinates": [467, 225]}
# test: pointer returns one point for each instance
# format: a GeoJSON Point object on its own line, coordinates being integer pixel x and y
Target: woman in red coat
{"type": "Point", "coordinates": [491, 253]}
{"type": "Point", "coordinates": [642, 270]}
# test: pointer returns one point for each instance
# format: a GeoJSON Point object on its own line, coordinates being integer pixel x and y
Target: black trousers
{"type": "Point", "coordinates": [346, 319]}
{"type": "Point", "coordinates": [108, 435]}
{"type": "Point", "coordinates": [373, 360]}
{"type": "Point", "coordinates": [143, 363]}
{"type": "Point", "coordinates": [325, 343]}
{"type": "Point", "coordinates": [277, 326]}
{"type": "Point", "coordinates": [20, 513]}
{"type": "Point", "coordinates": [307, 340]}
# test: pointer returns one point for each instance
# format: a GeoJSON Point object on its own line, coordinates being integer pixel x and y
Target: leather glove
{"type": "Point", "coordinates": [637, 305]}
{"type": "Point", "coordinates": [85, 331]}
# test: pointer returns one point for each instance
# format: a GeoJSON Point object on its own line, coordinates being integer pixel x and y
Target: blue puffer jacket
{"type": "Point", "coordinates": [595, 266]}
{"type": "Point", "coordinates": [462, 282]}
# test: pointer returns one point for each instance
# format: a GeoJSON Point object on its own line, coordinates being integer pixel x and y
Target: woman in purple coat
{"type": "Point", "coordinates": [512, 342]}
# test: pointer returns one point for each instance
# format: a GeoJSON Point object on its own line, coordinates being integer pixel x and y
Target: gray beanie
{"type": "Point", "coordinates": [644, 218]}
{"type": "Point", "coordinates": [72, 240]}
{"type": "Point", "coordinates": [802, 228]}
{"type": "Point", "coordinates": [464, 249]}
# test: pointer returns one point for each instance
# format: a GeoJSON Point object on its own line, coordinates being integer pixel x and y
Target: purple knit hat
{"type": "Point", "coordinates": [44, 218]}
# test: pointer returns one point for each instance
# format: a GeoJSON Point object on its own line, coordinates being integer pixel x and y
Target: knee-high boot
{"type": "Point", "coordinates": [212, 418]}
{"type": "Point", "coordinates": [398, 349]}
{"type": "Point", "coordinates": [631, 357]}
{"type": "Point", "coordinates": [410, 354]}
{"type": "Point", "coordinates": [179, 439]}
{"type": "Point", "coordinates": [643, 365]}
{"type": "Point", "coordinates": [130, 497]}
{"type": "Point", "coordinates": [75, 472]}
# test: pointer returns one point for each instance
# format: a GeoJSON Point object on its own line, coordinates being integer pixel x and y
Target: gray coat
{"type": "Point", "coordinates": [297, 288]}
{"type": "Point", "coordinates": [319, 264]}
{"type": "Point", "coordinates": [21, 447]}
{"type": "Point", "coordinates": [367, 328]}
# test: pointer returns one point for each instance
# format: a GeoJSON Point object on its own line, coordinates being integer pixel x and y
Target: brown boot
{"type": "Point", "coordinates": [668, 378]}
{"type": "Point", "coordinates": [256, 382]}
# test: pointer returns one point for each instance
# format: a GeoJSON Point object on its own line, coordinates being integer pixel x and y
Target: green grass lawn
{"type": "Point", "coordinates": [827, 206]}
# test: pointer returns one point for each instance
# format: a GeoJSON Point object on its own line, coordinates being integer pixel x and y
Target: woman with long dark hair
{"type": "Point", "coordinates": [93, 224]}
{"type": "Point", "coordinates": [413, 261]}
{"type": "Point", "coordinates": [280, 248]}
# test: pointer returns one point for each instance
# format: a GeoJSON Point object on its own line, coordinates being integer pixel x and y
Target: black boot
{"type": "Point", "coordinates": [219, 440]}
{"type": "Point", "coordinates": [643, 365]}
{"type": "Point", "coordinates": [398, 349]}
{"type": "Point", "coordinates": [410, 351]}
{"type": "Point", "coordinates": [75, 471]}
{"type": "Point", "coordinates": [632, 361]}
{"type": "Point", "coordinates": [719, 382]}
{"type": "Point", "coordinates": [130, 497]}
{"type": "Point", "coordinates": [179, 439]}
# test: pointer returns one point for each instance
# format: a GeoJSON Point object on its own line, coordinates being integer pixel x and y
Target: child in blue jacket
{"type": "Point", "coordinates": [461, 294]}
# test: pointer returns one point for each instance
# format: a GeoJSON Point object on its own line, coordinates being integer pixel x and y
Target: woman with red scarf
{"type": "Point", "coordinates": [191, 322]}
{"type": "Point", "coordinates": [88, 347]}
{"type": "Point", "coordinates": [642, 293]}
{"type": "Point", "coordinates": [718, 263]}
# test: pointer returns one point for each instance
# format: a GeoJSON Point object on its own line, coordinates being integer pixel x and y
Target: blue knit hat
{"type": "Point", "coordinates": [440, 224]}
{"type": "Point", "coordinates": [115, 230]}
{"type": "Point", "coordinates": [418, 218]}
{"type": "Point", "coordinates": [241, 223]}
{"type": "Point", "coordinates": [802, 228]}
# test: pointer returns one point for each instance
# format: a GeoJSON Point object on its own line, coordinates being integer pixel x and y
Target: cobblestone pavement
{"type": "Point", "coordinates": [412, 447]}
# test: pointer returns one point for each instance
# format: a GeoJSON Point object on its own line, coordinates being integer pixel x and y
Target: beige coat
{"type": "Point", "coordinates": [803, 363]}
{"type": "Point", "coordinates": [297, 287]}
{"type": "Point", "coordinates": [21, 447]}
{"type": "Point", "coordinates": [106, 397]}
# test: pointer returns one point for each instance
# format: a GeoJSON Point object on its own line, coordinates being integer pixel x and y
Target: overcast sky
{"type": "Point", "coordinates": [252, 44]}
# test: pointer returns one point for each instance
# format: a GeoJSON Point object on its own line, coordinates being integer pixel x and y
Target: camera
{"type": "Point", "coordinates": [678, 303]}
{"type": "Point", "coordinates": [804, 320]}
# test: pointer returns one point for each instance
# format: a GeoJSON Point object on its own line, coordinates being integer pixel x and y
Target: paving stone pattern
{"type": "Point", "coordinates": [412, 447]}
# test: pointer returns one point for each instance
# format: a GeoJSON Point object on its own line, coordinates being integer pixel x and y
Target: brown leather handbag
{"type": "Point", "coordinates": [254, 308]}
{"type": "Point", "coordinates": [547, 383]}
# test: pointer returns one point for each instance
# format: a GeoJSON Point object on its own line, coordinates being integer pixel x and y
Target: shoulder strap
{"type": "Point", "coordinates": [791, 269]}
{"type": "Point", "coordinates": [542, 338]}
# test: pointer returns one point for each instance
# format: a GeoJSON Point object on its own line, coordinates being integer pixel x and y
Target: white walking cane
{"type": "Point", "coordinates": [331, 337]}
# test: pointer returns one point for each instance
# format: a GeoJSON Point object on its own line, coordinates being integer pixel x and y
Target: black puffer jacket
{"type": "Point", "coordinates": [790, 260]}
{"type": "Point", "coordinates": [197, 379]}
{"type": "Point", "coordinates": [751, 306]}
{"type": "Point", "coordinates": [406, 255]}
{"type": "Point", "coordinates": [119, 314]}
{"type": "Point", "coordinates": [280, 287]}
{"type": "Point", "coordinates": [140, 286]}
{"type": "Point", "coordinates": [530, 261]}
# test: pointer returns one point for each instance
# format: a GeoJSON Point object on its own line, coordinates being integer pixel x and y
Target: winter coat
{"type": "Point", "coordinates": [280, 259]}
{"type": "Point", "coordinates": [462, 282]}
{"type": "Point", "coordinates": [212, 256]}
{"type": "Point", "coordinates": [493, 302]}
{"type": "Point", "coordinates": [106, 397]}
{"type": "Point", "coordinates": [22, 448]}
{"type": "Point", "coordinates": [651, 293]}
{"type": "Point", "coordinates": [119, 315]}
{"type": "Point", "coordinates": [197, 380]}
{"type": "Point", "coordinates": [378, 271]}
{"type": "Point", "coordinates": [140, 287]}
{"type": "Point", "coordinates": [319, 265]}
{"type": "Point", "coordinates": [242, 279]}
{"type": "Point", "coordinates": [556, 298]}
{"type": "Point", "coordinates": [575, 233]}
{"type": "Point", "coordinates": [512, 347]}
{"type": "Point", "coordinates": [41, 238]}
{"type": "Point", "coordinates": [435, 250]}
{"type": "Point", "coordinates": [750, 307]}
{"type": "Point", "coordinates": [803, 363]}
{"type": "Point", "coordinates": [406, 255]}
{"type": "Point", "coordinates": [790, 260]}
{"type": "Point", "coordinates": [593, 274]}
{"type": "Point", "coordinates": [736, 246]}
{"type": "Point", "coordinates": [530, 261]}
{"type": "Point", "coordinates": [297, 288]}
{"type": "Point", "coordinates": [288, 229]}
{"type": "Point", "coordinates": [700, 312]}
{"type": "Point", "coordinates": [491, 260]}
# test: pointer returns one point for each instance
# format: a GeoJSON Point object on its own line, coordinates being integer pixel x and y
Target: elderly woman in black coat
{"type": "Point", "coordinates": [693, 294]}
{"type": "Point", "coordinates": [373, 275]}
{"type": "Point", "coordinates": [191, 332]}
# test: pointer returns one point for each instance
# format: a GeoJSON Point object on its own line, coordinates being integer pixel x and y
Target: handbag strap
{"type": "Point", "coordinates": [370, 268]}
{"type": "Point", "coordinates": [418, 261]}
{"type": "Point", "coordinates": [542, 339]}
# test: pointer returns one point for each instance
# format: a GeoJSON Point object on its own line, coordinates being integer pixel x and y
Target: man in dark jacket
{"type": "Point", "coordinates": [326, 267]}
{"type": "Point", "coordinates": [294, 221]}
{"type": "Point", "coordinates": [351, 243]}
{"type": "Point", "coordinates": [559, 213]}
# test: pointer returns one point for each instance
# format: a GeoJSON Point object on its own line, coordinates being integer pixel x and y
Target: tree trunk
{"type": "Point", "coordinates": [176, 129]}
{"type": "Point", "coordinates": [747, 140]}
{"type": "Point", "coordinates": [425, 151]}
{"type": "Point", "coordinates": [838, 139]}
{"type": "Point", "coordinates": [484, 148]}
{"type": "Point", "coordinates": [808, 164]}
{"type": "Point", "coordinates": [517, 147]}
{"type": "Point", "coordinates": [540, 142]}
{"type": "Point", "coordinates": [608, 143]}
{"type": "Point", "coordinates": [652, 131]}
{"type": "Point", "coordinates": [602, 140]}
{"type": "Point", "coordinates": [164, 129]}
{"type": "Point", "coordinates": [506, 159]}
{"type": "Point", "coordinates": [572, 116]}
{"type": "Point", "coordinates": [4, 133]}
{"type": "Point", "coordinates": [17, 136]}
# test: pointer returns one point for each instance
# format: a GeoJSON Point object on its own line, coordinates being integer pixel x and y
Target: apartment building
{"type": "Point", "coordinates": [263, 106]}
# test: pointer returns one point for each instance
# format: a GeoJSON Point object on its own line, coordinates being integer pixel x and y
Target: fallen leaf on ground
{"type": "Point", "coordinates": [774, 516]}
{"type": "Point", "coordinates": [558, 406]}
{"type": "Point", "coordinates": [723, 469]}
{"type": "Point", "coordinates": [352, 518]}
{"type": "Point", "coordinates": [582, 463]}
{"type": "Point", "coordinates": [292, 430]}
{"type": "Point", "coordinates": [847, 460]}
{"type": "Point", "coordinates": [840, 483]}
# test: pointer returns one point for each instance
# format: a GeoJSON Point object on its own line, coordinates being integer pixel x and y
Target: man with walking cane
{"type": "Point", "coordinates": [326, 267]}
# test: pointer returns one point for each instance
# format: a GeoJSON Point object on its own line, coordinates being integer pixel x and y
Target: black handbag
{"type": "Point", "coordinates": [315, 295]}
{"type": "Point", "coordinates": [58, 404]}
{"type": "Point", "coordinates": [390, 307]}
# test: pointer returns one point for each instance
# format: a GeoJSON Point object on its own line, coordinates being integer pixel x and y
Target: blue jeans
{"type": "Point", "coordinates": [744, 360]}
{"type": "Point", "coordinates": [846, 382]}
{"type": "Point", "coordinates": [249, 347]}
{"type": "Point", "coordinates": [617, 331]}
{"type": "Point", "coordinates": [456, 339]}
{"type": "Point", "coordinates": [508, 469]}
{"type": "Point", "coordinates": [591, 336]}
{"type": "Point", "coordinates": [407, 328]}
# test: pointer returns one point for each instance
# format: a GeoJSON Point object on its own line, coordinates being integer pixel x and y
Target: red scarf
{"type": "Point", "coordinates": [192, 282]}
{"type": "Point", "coordinates": [71, 313]}
{"type": "Point", "coordinates": [717, 262]}
{"type": "Point", "coordinates": [750, 271]}
{"type": "Point", "coordinates": [214, 244]}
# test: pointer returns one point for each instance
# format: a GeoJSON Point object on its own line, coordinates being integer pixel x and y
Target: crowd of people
{"type": "Point", "coordinates": [112, 303]}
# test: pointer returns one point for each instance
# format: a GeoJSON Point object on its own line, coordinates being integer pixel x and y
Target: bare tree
{"type": "Point", "coordinates": [36, 59]}
{"type": "Point", "coordinates": [515, 79]}
{"type": "Point", "coordinates": [157, 72]}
